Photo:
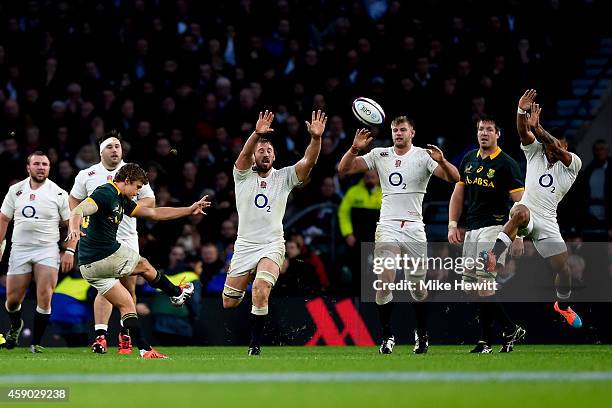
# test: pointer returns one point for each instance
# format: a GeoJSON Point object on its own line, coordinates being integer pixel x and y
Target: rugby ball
{"type": "Point", "coordinates": [368, 112]}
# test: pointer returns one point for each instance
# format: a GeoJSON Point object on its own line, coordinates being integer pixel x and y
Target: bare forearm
{"type": "Point", "coordinates": [455, 206]}
{"type": "Point", "coordinates": [245, 159]}
{"type": "Point", "coordinates": [3, 228]}
{"type": "Point", "coordinates": [451, 174]}
{"type": "Point", "coordinates": [168, 213]}
{"type": "Point", "coordinates": [346, 162]}
{"type": "Point", "coordinates": [74, 224]}
{"type": "Point", "coordinates": [312, 152]}
{"type": "Point", "coordinates": [543, 136]}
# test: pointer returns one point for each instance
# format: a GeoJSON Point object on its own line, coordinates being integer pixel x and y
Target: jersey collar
{"type": "Point", "coordinates": [492, 155]}
{"type": "Point", "coordinates": [114, 185]}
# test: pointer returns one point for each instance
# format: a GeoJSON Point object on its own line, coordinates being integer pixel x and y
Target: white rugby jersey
{"type": "Point", "coordinates": [403, 180]}
{"type": "Point", "coordinates": [89, 179]}
{"type": "Point", "coordinates": [261, 203]}
{"type": "Point", "coordinates": [546, 185]}
{"type": "Point", "coordinates": [36, 213]}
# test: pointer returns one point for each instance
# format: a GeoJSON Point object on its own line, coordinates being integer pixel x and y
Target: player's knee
{"type": "Point", "coordinates": [383, 297]}
{"type": "Point", "coordinates": [419, 295]}
{"type": "Point", "coordinates": [12, 304]}
{"type": "Point", "coordinates": [521, 216]}
{"type": "Point", "coordinates": [263, 283]}
{"type": "Point", "coordinates": [232, 297]}
{"type": "Point", "coordinates": [261, 290]}
{"type": "Point", "coordinates": [44, 299]}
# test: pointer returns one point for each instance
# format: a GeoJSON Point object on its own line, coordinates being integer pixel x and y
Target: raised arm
{"type": "Point", "coordinates": [445, 170]}
{"type": "Point", "coordinates": [546, 138]}
{"type": "Point", "coordinates": [172, 213]}
{"type": "Point", "coordinates": [522, 125]}
{"type": "Point", "coordinates": [315, 128]}
{"type": "Point", "coordinates": [262, 128]}
{"type": "Point", "coordinates": [351, 162]}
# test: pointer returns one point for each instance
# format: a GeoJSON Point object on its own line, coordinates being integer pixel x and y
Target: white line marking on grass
{"type": "Point", "coordinates": [314, 377]}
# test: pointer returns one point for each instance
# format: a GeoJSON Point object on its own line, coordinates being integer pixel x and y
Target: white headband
{"type": "Point", "coordinates": [107, 142]}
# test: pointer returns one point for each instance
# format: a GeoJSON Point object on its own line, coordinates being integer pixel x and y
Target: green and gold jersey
{"type": "Point", "coordinates": [100, 228]}
{"type": "Point", "coordinates": [488, 184]}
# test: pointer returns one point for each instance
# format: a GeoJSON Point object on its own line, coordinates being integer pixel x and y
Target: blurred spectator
{"type": "Point", "coordinates": [173, 326]}
{"type": "Point", "coordinates": [297, 275]}
{"type": "Point", "coordinates": [360, 209]}
{"type": "Point", "coordinates": [596, 185]}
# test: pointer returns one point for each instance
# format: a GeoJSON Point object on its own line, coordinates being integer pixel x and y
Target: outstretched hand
{"type": "Point", "coordinates": [264, 122]}
{"type": "Point", "coordinates": [317, 124]}
{"type": "Point", "coordinates": [533, 119]}
{"type": "Point", "coordinates": [527, 99]}
{"type": "Point", "coordinates": [435, 153]}
{"type": "Point", "coordinates": [199, 206]}
{"type": "Point", "coordinates": [363, 137]}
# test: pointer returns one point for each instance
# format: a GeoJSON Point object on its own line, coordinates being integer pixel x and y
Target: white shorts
{"type": "Point", "coordinates": [131, 242]}
{"type": "Point", "coordinates": [545, 234]}
{"type": "Point", "coordinates": [247, 256]}
{"type": "Point", "coordinates": [403, 238]}
{"type": "Point", "coordinates": [105, 273]}
{"type": "Point", "coordinates": [478, 240]}
{"type": "Point", "coordinates": [23, 257]}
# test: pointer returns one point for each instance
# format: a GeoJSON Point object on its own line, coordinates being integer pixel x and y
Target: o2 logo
{"type": "Point", "coordinates": [28, 211]}
{"type": "Point", "coordinates": [261, 201]}
{"type": "Point", "coordinates": [546, 180]}
{"type": "Point", "coordinates": [396, 179]}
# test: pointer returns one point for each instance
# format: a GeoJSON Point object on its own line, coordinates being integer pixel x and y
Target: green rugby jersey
{"type": "Point", "coordinates": [101, 227]}
{"type": "Point", "coordinates": [488, 184]}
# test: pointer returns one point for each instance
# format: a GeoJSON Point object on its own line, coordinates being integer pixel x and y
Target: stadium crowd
{"type": "Point", "coordinates": [183, 82]}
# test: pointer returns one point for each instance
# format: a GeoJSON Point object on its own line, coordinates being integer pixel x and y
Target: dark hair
{"type": "Point", "coordinates": [265, 140]}
{"type": "Point", "coordinates": [112, 133]}
{"type": "Point", "coordinates": [36, 153]}
{"type": "Point", "coordinates": [489, 118]}
{"type": "Point", "coordinates": [600, 142]}
{"type": "Point", "coordinates": [401, 119]}
{"type": "Point", "coordinates": [132, 172]}
{"type": "Point", "coordinates": [557, 133]}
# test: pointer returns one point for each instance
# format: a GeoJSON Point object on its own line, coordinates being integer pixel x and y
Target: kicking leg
{"type": "Point", "coordinates": [178, 294]}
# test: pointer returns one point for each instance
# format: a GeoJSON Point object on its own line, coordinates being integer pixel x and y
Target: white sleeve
{"type": "Point", "coordinates": [290, 177]}
{"type": "Point", "coordinates": [145, 192]}
{"type": "Point", "coordinates": [8, 205]}
{"type": "Point", "coordinates": [575, 165]}
{"type": "Point", "coordinates": [64, 207]}
{"type": "Point", "coordinates": [79, 190]}
{"type": "Point", "coordinates": [240, 175]}
{"type": "Point", "coordinates": [532, 149]}
{"type": "Point", "coordinates": [369, 159]}
{"type": "Point", "coordinates": [431, 163]}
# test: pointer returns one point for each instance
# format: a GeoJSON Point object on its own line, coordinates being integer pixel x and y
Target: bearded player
{"type": "Point", "coordinates": [261, 198]}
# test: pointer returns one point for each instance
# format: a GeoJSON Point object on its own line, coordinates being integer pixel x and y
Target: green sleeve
{"type": "Point", "coordinates": [515, 179]}
{"type": "Point", "coordinates": [344, 213]}
{"type": "Point", "coordinates": [103, 199]}
{"type": "Point", "coordinates": [129, 207]}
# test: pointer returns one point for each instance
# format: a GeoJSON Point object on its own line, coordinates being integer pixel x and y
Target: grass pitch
{"type": "Point", "coordinates": [448, 376]}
